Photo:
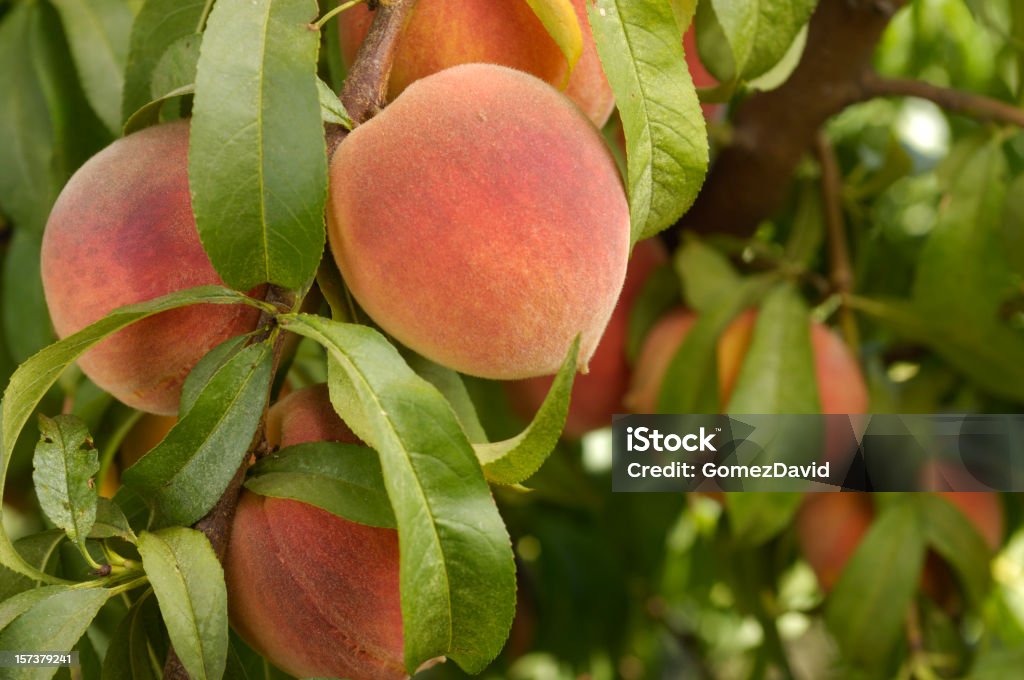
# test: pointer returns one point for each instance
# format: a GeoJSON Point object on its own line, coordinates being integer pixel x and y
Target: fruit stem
{"type": "Point", "coordinates": [319, 24]}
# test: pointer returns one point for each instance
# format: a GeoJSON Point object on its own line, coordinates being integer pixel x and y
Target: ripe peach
{"type": "Point", "coordinates": [122, 231]}
{"type": "Point", "coordinates": [441, 34]}
{"type": "Point", "coordinates": [481, 220]}
{"type": "Point", "coordinates": [316, 594]}
{"type": "Point", "coordinates": [830, 527]}
{"type": "Point", "coordinates": [597, 396]}
{"type": "Point", "coordinates": [841, 387]}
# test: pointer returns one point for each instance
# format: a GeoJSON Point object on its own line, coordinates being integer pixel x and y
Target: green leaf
{"type": "Point", "coordinates": [187, 472]}
{"type": "Point", "coordinates": [457, 573]}
{"type": "Point", "coordinates": [66, 463]}
{"type": "Point", "coordinates": [257, 156]}
{"type": "Point", "coordinates": [707, 275]}
{"type": "Point", "coordinates": [111, 522]}
{"type": "Point", "coordinates": [559, 18]}
{"type": "Point", "coordinates": [160, 24]}
{"type": "Point", "coordinates": [756, 517]}
{"type": "Point", "coordinates": [57, 617]}
{"type": "Point", "coordinates": [331, 108]}
{"type": "Point", "coordinates": [343, 479]}
{"type": "Point", "coordinates": [207, 367]}
{"type": "Point", "coordinates": [150, 113]}
{"type": "Point", "coordinates": [38, 550]}
{"type": "Point", "coordinates": [128, 652]}
{"type": "Point", "coordinates": [26, 322]}
{"type": "Point", "coordinates": [867, 609]}
{"type": "Point", "coordinates": [98, 31]}
{"type": "Point", "coordinates": [958, 542]}
{"type": "Point", "coordinates": [189, 585]}
{"type": "Point", "coordinates": [690, 384]}
{"type": "Point", "coordinates": [514, 460]}
{"type": "Point", "coordinates": [997, 664]}
{"type": "Point", "coordinates": [641, 50]}
{"type": "Point", "coordinates": [449, 384]}
{"type": "Point", "coordinates": [177, 66]}
{"type": "Point", "coordinates": [759, 32]}
{"type": "Point", "coordinates": [777, 375]}
{"type": "Point", "coordinates": [659, 294]}
{"type": "Point", "coordinates": [34, 378]}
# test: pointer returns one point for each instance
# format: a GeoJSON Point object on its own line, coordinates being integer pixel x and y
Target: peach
{"type": "Point", "coordinates": [597, 396]}
{"type": "Point", "coordinates": [122, 231]}
{"type": "Point", "coordinates": [481, 220]}
{"type": "Point", "coordinates": [841, 387]}
{"type": "Point", "coordinates": [314, 593]}
{"type": "Point", "coordinates": [441, 34]}
{"type": "Point", "coordinates": [830, 527]}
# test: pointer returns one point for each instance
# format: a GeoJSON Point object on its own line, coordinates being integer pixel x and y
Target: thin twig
{"type": "Point", "coordinates": [840, 269]}
{"type": "Point", "coordinates": [979, 107]}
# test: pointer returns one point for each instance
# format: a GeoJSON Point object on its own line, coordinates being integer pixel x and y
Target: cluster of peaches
{"type": "Point", "coordinates": [479, 219]}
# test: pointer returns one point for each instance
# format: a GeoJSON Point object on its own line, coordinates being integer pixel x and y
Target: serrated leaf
{"type": "Point", "coordinates": [257, 156]}
{"type": "Point", "coordinates": [759, 32]}
{"type": "Point", "coordinates": [867, 609]}
{"type": "Point", "coordinates": [186, 473]}
{"type": "Point", "coordinates": [57, 618]}
{"type": "Point", "coordinates": [111, 522]}
{"type": "Point", "coordinates": [560, 21]}
{"type": "Point", "coordinates": [189, 585]}
{"type": "Point", "coordinates": [514, 460]}
{"type": "Point", "coordinates": [641, 51]}
{"type": "Point", "coordinates": [98, 32]}
{"type": "Point", "coordinates": [958, 542]}
{"type": "Point", "coordinates": [176, 67]}
{"type": "Point", "coordinates": [34, 378]}
{"type": "Point", "coordinates": [158, 25]}
{"type": "Point", "coordinates": [457, 574]}
{"type": "Point", "coordinates": [343, 479]}
{"type": "Point", "coordinates": [777, 375]}
{"type": "Point", "coordinates": [331, 108]}
{"type": "Point", "coordinates": [65, 465]}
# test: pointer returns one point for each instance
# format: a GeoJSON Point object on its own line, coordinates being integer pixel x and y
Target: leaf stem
{"type": "Point", "coordinates": [319, 24]}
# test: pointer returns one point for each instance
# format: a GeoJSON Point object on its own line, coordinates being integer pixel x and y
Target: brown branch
{"type": "Point", "coordinates": [365, 91]}
{"type": "Point", "coordinates": [363, 96]}
{"type": "Point", "coordinates": [773, 130]}
{"type": "Point", "coordinates": [976, 106]}
{"type": "Point", "coordinates": [840, 269]}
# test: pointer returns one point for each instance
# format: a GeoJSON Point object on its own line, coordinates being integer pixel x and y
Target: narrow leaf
{"type": "Point", "coordinates": [331, 108]}
{"type": "Point", "coordinates": [449, 383]}
{"type": "Point", "coordinates": [257, 156]}
{"type": "Point", "coordinates": [756, 517]}
{"type": "Point", "coordinates": [56, 619]}
{"type": "Point", "coordinates": [559, 18]}
{"type": "Point", "coordinates": [65, 465]}
{"type": "Point", "coordinates": [514, 460]}
{"type": "Point", "coordinates": [189, 585]}
{"type": "Point", "coordinates": [958, 542]}
{"type": "Point", "coordinates": [340, 478]}
{"type": "Point", "coordinates": [35, 377]}
{"type": "Point", "coordinates": [867, 609]}
{"type": "Point", "coordinates": [159, 24]}
{"type": "Point", "coordinates": [111, 522]}
{"type": "Point", "coordinates": [707, 275]}
{"type": "Point", "coordinates": [40, 551]}
{"type": "Point", "coordinates": [641, 50]}
{"type": "Point", "coordinates": [128, 652]}
{"type": "Point", "coordinates": [186, 473]}
{"type": "Point", "coordinates": [150, 113]}
{"type": "Point", "coordinates": [98, 32]}
{"type": "Point", "coordinates": [760, 32]}
{"type": "Point", "coordinates": [457, 574]}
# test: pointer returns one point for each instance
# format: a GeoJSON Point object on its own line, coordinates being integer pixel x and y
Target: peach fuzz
{"type": "Point", "coordinates": [316, 594]}
{"type": "Point", "coordinates": [441, 34]}
{"type": "Point", "coordinates": [122, 231]}
{"type": "Point", "coordinates": [481, 220]}
{"type": "Point", "coordinates": [597, 395]}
